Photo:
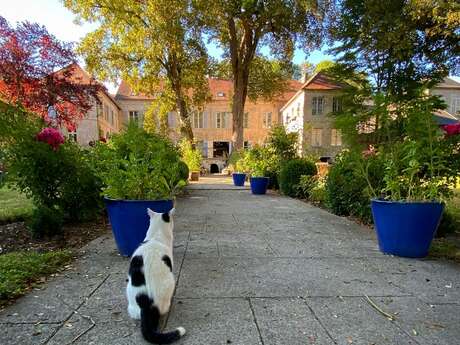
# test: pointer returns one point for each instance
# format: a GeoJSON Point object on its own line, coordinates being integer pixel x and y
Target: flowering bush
{"type": "Point", "coordinates": [54, 174]}
{"type": "Point", "coordinates": [51, 136]}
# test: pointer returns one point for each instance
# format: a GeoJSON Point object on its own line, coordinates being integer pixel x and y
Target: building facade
{"type": "Point", "coordinates": [212, 127]}
{"type": "Point", "coordinates": [307, 113]}
{"type": "Point", "coordinates": [103, 119]}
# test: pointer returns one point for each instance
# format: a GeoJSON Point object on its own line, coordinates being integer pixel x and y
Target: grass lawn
{"type": "Point", "coordinates": [14, 206]}
{"type": "Point", "coordinates": [19, 270]}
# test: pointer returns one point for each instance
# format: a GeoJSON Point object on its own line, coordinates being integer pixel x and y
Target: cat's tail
{"type": "Point", "coordinates": [150, 319]}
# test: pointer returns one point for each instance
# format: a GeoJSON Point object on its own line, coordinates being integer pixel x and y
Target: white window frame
{"type": "Point", "coordinates": [336, 104]}
{"type": "Point", "coordinates": [197, 119]}
{"type": "Point", "coordinates": [246, 120]}
{"type": "Point", "coordinates": [455, 106]}
{"type": "Point", "coordinates": [317, 137]}
{"type": "Point", "coordinates": [336, 137]}
{"type": "Point", "coordinates": [268, 120]}
{"type": "Point", "coordinates": [317, 105]}
{"type": "Point", "coordinates": [133, 115]}
{"type": "Point", "coordinates": [221, 120]}
{"type": "Point", "coordinates": [72, 136]}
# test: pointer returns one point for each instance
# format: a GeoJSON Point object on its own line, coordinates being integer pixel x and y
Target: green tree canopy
{"type": "Point", "coordinates": [154, 45]}
{"type": "Point", "coordinates": [401, 44]}
{"type": "Point", "coordinates": [244, 26]}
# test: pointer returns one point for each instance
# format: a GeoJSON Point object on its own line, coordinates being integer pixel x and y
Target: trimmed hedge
{"type": "Point", "coordinates": [290, 174]}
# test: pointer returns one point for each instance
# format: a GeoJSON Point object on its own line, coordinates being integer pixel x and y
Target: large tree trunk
{"type": "Point", "coordinates": [240, 88]}
{"type": "Point", "coordinates": [242, 50]}
{"type": "Point", "coordinates": [175, 76]}
{"type": "Point", "coordinates": [185, 123]}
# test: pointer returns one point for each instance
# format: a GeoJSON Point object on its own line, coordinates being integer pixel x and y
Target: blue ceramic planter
{"type": "Point", "coordinates": [129, 220]}
{"type": "Point", "coordinates": [259, 185]}
{"type": "Point", "coordinates": [406, 228]}
{"type": "Point", "coordinates": [238, 179]}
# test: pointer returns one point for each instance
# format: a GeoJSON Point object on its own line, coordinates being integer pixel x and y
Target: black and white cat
{"type": "Point", "coordinates": [151, 281]}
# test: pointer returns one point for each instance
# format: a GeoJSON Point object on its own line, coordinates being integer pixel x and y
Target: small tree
{"type": "Point", "coordinates": [36, 71]}
{"type": "Point", "coordinates": [154, 45]}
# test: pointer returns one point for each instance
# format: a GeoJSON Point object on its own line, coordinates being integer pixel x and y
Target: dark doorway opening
{"type": "Point", "coordinates": [221, 149]}
{"type": "Point", "coordinates": [214, 169]}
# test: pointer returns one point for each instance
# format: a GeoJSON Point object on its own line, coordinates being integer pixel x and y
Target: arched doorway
{"type": "Point", "coordinates": [214, 169]}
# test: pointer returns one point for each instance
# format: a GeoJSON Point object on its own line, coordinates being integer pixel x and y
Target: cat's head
{"type": "Point", "coordinates": [160, 221]}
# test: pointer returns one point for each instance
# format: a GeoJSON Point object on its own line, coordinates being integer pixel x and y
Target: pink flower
{"type": "Point", "coordinates": [51, 136]}
{"type": "Point", "coordinates": [369, 152]}
{"type": "Point", "coordinates": [451, 130]}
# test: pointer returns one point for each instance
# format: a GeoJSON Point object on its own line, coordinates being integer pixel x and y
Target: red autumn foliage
{"type": "Point", "coordinates": [36, 71]}
{"type": "Point", "coordinates": [51, 136]}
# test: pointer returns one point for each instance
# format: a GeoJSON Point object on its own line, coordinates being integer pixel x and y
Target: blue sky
{"type": "Point", "coordinates": [60, 22]}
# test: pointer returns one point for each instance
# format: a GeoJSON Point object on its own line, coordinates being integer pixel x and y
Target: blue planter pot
{"type": "Point", "coordinates": [259, 185]}
{"type": "Point", "coordinates": [238, 179]}
{"type": "Point", "coordinates": [406, 228]}
{"type": "Point", "coordinates": [130, 222]}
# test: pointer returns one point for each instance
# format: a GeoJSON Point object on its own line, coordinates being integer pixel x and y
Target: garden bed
{"type": "Point", "coordinates": [26, 262]}
{"type": "Point", "coordinates": [17, 237]}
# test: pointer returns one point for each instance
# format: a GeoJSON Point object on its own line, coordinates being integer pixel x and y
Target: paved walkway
{"type": "Point", "coordinates": [253, 270]}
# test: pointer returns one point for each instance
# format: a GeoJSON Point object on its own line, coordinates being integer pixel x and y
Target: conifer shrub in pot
{"type": "Point", "coordinates": [139, 170]}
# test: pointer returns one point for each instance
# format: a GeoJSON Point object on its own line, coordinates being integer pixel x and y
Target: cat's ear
{"type": "Point", "coordinates": [172, 212]}
{"type": "Point", "coordinates": [151, 213]}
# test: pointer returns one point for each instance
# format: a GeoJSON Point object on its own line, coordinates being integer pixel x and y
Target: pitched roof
{"type": "Point", "coordinates": [448, 83]}
{"type": "Point", "coordinates": [319, 81]}
{"type": "Point", "coordinates": [79, 75]}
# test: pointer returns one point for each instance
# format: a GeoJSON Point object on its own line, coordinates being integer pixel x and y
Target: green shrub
{"type": "Point", "coordinates": [46, 221]}
{"type": "Point", "coordinates": [136, 165]}
{"type": "Point", "coordinates": [183, 171]}
{"type": "Point", "coordinates": [347, 191]}
{"type": "Point", "coordinates": [54, 174]}
{"type": "Point", "coordinates": [190, 155]}
{"type": "Point", "coordinates": [257, 161]}
{"type": "Point", "coordinates": [291, 172]}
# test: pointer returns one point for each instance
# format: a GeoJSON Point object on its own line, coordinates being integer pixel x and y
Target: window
{"type": "Point", "coordinates": [247, 145]}
{"type": "Point", "coordinates": [73, 136]}
{"type": "Point", "coordinates": [222, 120]}
{"type": "Point", "coordinates": [197, 119]}
{"type": "Point", "coordinates": [220, 94]}
{"type": "Point", "coordinates": [134, 115]}
{"type": "Point", "coordinates": [98, 109]}
{"type": "Point", "coordinates": [316, 137]}
{"type": "Point", "coordinates": [111, 116]}
{"type": "Point", "coordinates": [455, 108]}
{"type": "Point", "coordinates": [267, 120]}
{"type": "Point", "coordinates": [336, 137]}
{"type": "Point", "coordinates": [336, 104]}
{"type": "Point", "coordinates": [202, 146]}
{"type": "Point", "coordinates": [106, 112]}
{"type": "Point", "coordinates": [171, 120]}
{"type": "Point", "coordinates": [298, 110]}
{"type": "Point", "coordinates": [317, 105]}
{"type": "Point", "coordinates": [246, 120]}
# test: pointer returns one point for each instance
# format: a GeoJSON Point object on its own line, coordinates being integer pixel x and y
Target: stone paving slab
{"type": "Point", "coordinates": [215, 321]}
{"type": "Point", "coordinates": [353, 321]}
{"type": "Point", "coordinates": [257, 270]}
{"type": "Point", "coordinates": [288, 321]}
